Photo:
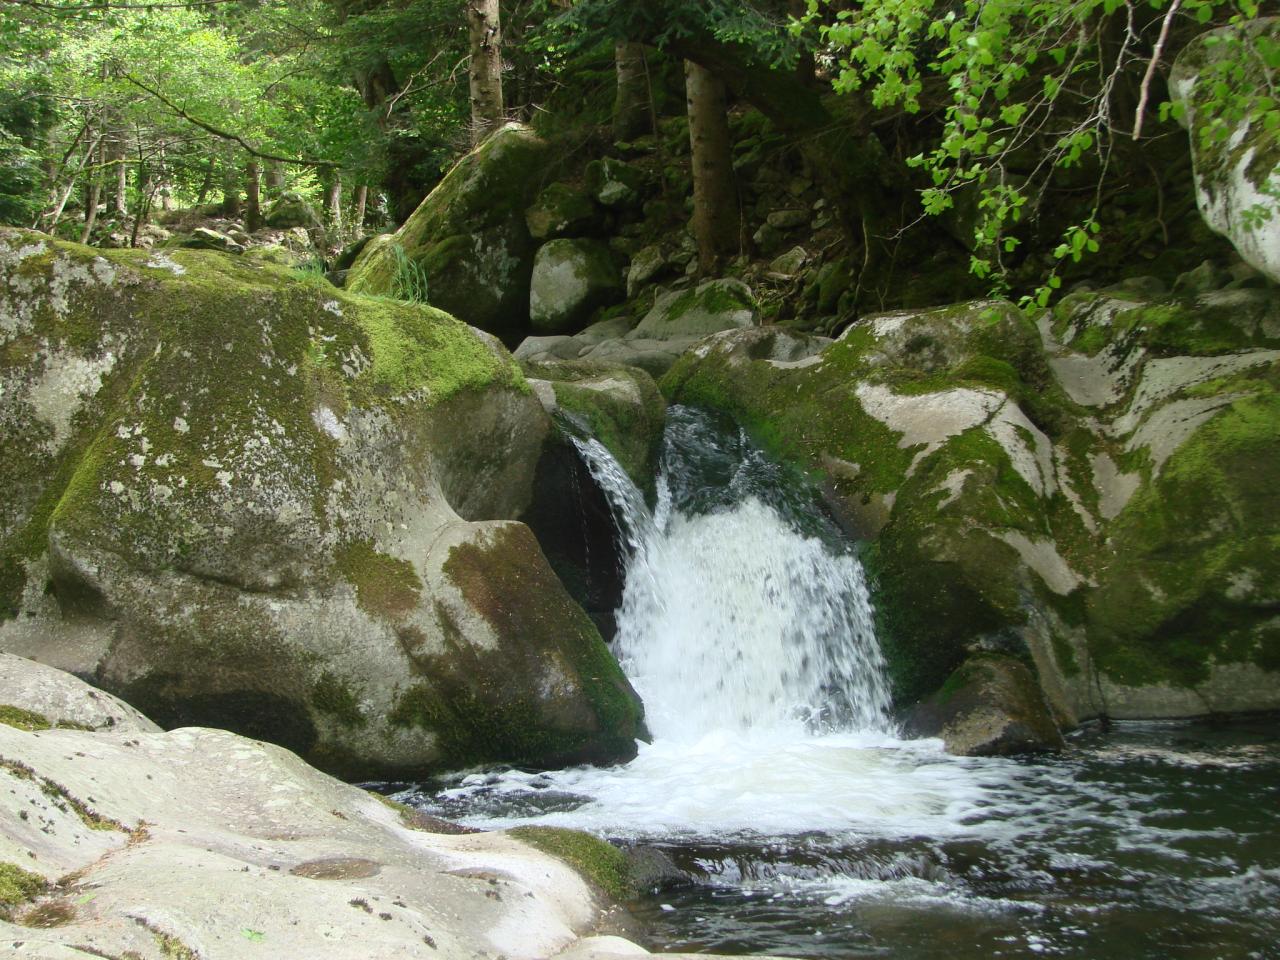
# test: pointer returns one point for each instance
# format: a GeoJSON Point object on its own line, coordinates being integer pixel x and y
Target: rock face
{"type": "Point", "coordinates": [274, 859]}
{"type": "Point", "coordinates": [571, 278]}
{"type": "Point", "coordinates": [562, 211]}
{"type": "Point", "coordinates": [1237, 167]}
{"type": "Point", "coordinates": [1086, 495]}
{"type": "Point", "coordinates": [60, 700]}
{"type": "Point", "coordinates": [991, 706]}
{"type": "Point", "coordinates": [678, 320]}
{"type": "Point", "coordinates": [238, 499]}
{"type": "Point", "coordinates": [469, 236]}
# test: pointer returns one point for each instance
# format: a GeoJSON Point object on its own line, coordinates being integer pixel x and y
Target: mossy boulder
{"type": "Point", "coordinates": [469, 236]}
{"type": "Point", "coordinates": [246, 499]}
{"type": "Point", "coordinates": [1235, 152]}
{"type": "Point", "coordinates": [291, 210]}
{"type": "Point", "coordinates": [562, 211]}
{"type": "Point", "coordinates": [571, 279]}
{"type": "Point", "coordinates": [1083, 492]}
{"type": "Point", "coordinates": [616, 404]}
{"type": "Point", "coordinates": [990, 706]}
{"type": "Point", "coordinates": [616, 184]}
{"type": "Point", "coordinates": [710, 307]}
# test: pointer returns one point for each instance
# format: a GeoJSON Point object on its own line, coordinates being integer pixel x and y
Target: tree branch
{"type": "Point", "coordinates": [227, 135]}
{"type": "Point", "coordinates": [1151, 68]}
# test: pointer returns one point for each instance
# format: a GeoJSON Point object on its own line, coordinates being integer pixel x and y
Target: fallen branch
{"type": "Point", "coordinates": [1151, 68]}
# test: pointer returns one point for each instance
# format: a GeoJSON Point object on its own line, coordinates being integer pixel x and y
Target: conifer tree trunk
{"type": "Point", "coordinates": [631, 113]}
{"type": "Point", "coordinates": [716, 221]}
{"type": "Point", "coordinates": [357, 221]}
{"type": "Point", "coordinates": [252, 194]}
{"type": "Point", "coordinates": [485, 28]}
{"type": "Point", "coordinates": [333, 207]}
{"type": "Point", "coordinates": [230, 191]}
{"type": "Point", "coordinates": [275, 178]}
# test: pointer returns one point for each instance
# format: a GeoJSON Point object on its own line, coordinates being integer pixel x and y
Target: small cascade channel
{"type": "Point", "coordinates": [786, 813]}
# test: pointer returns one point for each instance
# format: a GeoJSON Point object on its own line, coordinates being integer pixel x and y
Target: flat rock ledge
{"type": "Point", "coordinates": [204, 845]}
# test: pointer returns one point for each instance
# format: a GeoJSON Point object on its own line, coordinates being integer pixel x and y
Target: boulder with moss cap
{"type": "Point", "coordinates": [241, 499]}
{"type": "Point", "coordinates": [1235, 151]}
{"type": "Point", "coordinates": [571, 279]}
{"type": "Point", "coordinates": [470, 236]}
{"type": "Point", "coordinates": [1084, 493]}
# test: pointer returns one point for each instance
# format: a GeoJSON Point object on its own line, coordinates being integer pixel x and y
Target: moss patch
{"type": "Point", "coordinates": [18, 885]}
{"type": "Point", "coordinates": [598, 862]}
{"type": "Point", "coordinates": [385, 586]}
{"type": "Point", "coordinates": [23, 719]}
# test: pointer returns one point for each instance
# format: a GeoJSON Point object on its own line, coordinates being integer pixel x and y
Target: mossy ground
{"type": "Point", "coordinates": [18, 886]}
{"type": "Point", "coordinates": [601, 864]}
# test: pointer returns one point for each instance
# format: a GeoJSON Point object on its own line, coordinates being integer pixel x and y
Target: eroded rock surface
{"type": "Point", "coordinates": [1086, 495]}
{"type": "Point", "coordinates": [236, 498]}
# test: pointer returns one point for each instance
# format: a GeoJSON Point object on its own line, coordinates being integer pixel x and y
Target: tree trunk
{"type": "Point", "coordinates": [230, 191]}
{"type": "Point", "coordinates": [95, 196]}
{"type": "Point", "coordinates": [716, 222]}
{"type": "Point", "coordinates": [333, 209]}
{"type": "Point", "coordinates": [357, 222]}
{"type": "Point", "coordinates": [275, 178]}
{"type": "Point", "coordinates": [253, 205]}
{"type": "Point", "coordinates": [485, 27]}
{"type": "Point", "coordinates": [207, 183]}
{"type": "Point", "coordinates": [631, 109]}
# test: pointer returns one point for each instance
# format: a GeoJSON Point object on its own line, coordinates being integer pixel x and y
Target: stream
{"type": "Point", "coordinates": [797, 821]}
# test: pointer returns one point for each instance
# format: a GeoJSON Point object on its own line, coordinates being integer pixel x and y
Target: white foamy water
{"type": "Point", "coordinates": [752, 646]}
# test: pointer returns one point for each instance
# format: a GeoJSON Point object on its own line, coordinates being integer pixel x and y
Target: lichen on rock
{"type": "Point", "coordinates": [232, 525]}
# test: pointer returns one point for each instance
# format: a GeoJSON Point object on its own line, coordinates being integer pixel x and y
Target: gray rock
{"type": "Point", "coordinates": [646, 266]}
{"type": "Point", "coordinates": [991, 706]}
{"type": "Point", "coordinates": [788, 219]}
{"type": "Point", "coordinates": [615, 184]}
{"type": "Point", "coordinates": [64, 700]}
{"type": "Point", "coordinates": [710, 307]}
{"type": "Point", "coordinates": [297, 525]}
{"type": "Point", "coordinates": [202, 238]}
{"type": "Point", "coordinates": [1236, 176]}
{"type": "Point", "coordinates": [202, 843]}
{"type": "Point", "coordinates": [767, 238]}
{"type": "Point", "coordinates": [790, 263]}
{"type": "Point", "coordinates": [561, 211]}
{"type": "Point", "coordinates": [571, 278]}
{"type": "Point", "coordinates": [1203, 279]}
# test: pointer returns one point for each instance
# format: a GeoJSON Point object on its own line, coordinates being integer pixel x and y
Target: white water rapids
{"type": "Point", "coordinates": [751, 644]}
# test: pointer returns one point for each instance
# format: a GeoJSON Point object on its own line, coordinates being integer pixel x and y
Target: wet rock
{"type": "Point", "coordinates": [571, 279]}
{"type": "Point", "coordinates": [990, 706]}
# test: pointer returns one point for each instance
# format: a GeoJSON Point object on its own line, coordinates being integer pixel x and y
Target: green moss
{"type": "Point", "coordinates": [23, 719]}
{"type": "Point", "coordinates": [1195, 553]}
{"type": "Point", "coordinates": [331, 695]}
{"type": "Point", "coordinates": [476, 701]}
{"type": "Point", "coordinates": [385, 586]}
{"type": "Point", "coordinates": [18, 885]}
{"type": "Point", "coordinates": [598, 862]}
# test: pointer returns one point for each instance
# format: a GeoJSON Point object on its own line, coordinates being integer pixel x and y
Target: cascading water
{"type": "Point", "coordinates": [777, 781]}
{"type": "Point", "coordinates": [732, 617]}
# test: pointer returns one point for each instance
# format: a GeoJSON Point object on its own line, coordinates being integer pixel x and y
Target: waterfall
{"type": "Point", "coordinates": [746, 628]}
{"type": "Point", "coordinates": [734, 616]}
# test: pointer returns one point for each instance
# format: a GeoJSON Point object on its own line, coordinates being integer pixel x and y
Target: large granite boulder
{"type": "Point", "coordinates": [201, 843]}
{"type": "Point", "coordinates": [571, 279]}
{"type": "Point", "coordinates": [469, 236]}
{"type": "Point", "coordinates": [238, 499]}
{"type": "Point", "coordinates": [1085, 494]}
{"type": "Point", "coordinates": [1220, 82]}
